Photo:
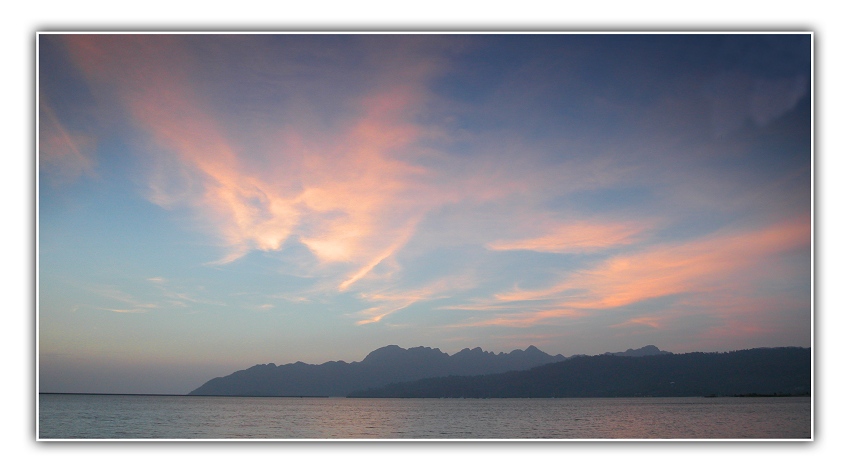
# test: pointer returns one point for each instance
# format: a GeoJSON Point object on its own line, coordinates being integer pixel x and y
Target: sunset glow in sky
{"type": "Point", "coordinates": [211, 202]}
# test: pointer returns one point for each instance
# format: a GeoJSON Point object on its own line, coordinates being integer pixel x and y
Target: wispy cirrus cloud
{"type": "Point", "coordinates": [350, 197]}
{"type": "Point", "coordinates": [352, 190]}
{"type": "Point", "coordinates": [128, 302]}
{"type": "Point", "coordinates": [63, 154]}
{"type": "Point", "coordinates": [387, 301]}
{"type": "Point", "coordinates": [705, 265]}
{"type": "Point", "coordinates": [649, 321]}
{"type": "Point", "coordinates": [576, 237]}
{"type": "Point", "coordinates": [736, 98]}
{"type": "Point", "coordinates": [724, 266]}
{"type": "Point", "coordinates": [348, 187]}
{"type": "Point", "coordinates": [519, 317]}
{"type": "Point", "coordinates": [181, 296]}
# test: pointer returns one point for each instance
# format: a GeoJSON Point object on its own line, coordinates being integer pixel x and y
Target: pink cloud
{"type": "Point", "coordinates": [352, 189]}
{"type": "Point", "coordinates": [652, 322]}
{"type": "Point", "coordinates": [524, 317]}
{"type": "Point", "coordinates": [347, 197]}
{"type": "Point", "coordinates": [723, 268]}
{"type": "Point", "coordinates": [715, 263]}
{"type": "Point", "coordinates": [389, 301]}
{"type": "Point", "coordinates": [580, 236]}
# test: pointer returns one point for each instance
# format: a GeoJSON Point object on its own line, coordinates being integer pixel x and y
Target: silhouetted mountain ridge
{"type": "Point", "coordinates": [640, 352]}
{"type": "Point", "coordinates": [760, 371]}
{"type": "Point", "coordinates": [385, 365]}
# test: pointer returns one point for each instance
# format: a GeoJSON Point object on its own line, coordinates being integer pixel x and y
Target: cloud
{"type": "Point", "coordinates": [346, 192]}
{"type": "Point", "coordinates": [401, 240]}
{"type": "Point", "coordinates": [114, 294]}
{"type": "Point", "coordinates": [350, 176]}
{"type": "Point", "coordinates": [62, 154]}
{"type": "Point", "coordinates": [576, 237]}
{"type": "Point", "coordinates": [736, 98]}
{"type": "Point", "coordinates": [149, 75]}
{"type": "Point", "coordinates": [727, 267]}
{"type": "Point", "coordinates": [706, 265]}
{"type": "Point", "coordinates": [775, 97]}
{"type": "Point", "coordinates": [522, 318]}
{"type": "Point", "coordinates": [346, 180]}
{"type": "Point", "coordinates": [652, 322]}
{"type": "Point", "coordinates": [390, 300]}
{"type": "Point", "coordinates": [125, 311]}
{"type": "Point", "coordinates": [164, 295]}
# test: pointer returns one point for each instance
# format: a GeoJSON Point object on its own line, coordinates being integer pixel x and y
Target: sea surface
{"type": "Point", "coordinates": [119, 417]}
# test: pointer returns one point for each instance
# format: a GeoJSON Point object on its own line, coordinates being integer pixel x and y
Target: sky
{"type": "Point", "coordinates": [211, 202]}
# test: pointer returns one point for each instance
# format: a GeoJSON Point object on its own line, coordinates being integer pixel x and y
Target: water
{"type": "Point", "coordinates": [63, 416]}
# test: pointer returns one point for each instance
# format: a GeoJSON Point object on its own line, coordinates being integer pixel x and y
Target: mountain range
{"type": "Point", "coordinates": [760, 371]}
{"type": "Point", "coordinates": [383, 366]}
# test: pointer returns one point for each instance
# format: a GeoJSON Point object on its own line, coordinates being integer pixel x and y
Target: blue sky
{"type": "Point", "coordinates": [210, 202]}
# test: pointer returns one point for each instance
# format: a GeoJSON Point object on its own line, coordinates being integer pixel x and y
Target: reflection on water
{"type": "Point", "coordinates": [195, 417]}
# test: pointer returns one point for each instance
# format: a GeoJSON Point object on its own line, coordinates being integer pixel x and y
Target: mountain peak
{"type": "Point", "coordinates": [384, 352]}
{"type": "Point", "coordinates": [389, 364]}
{"type": "Point", "coordinates": [644, 351]}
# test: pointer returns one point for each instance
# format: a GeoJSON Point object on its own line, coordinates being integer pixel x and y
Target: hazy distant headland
{"type": "Point", "coordinates": [386, 365]}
